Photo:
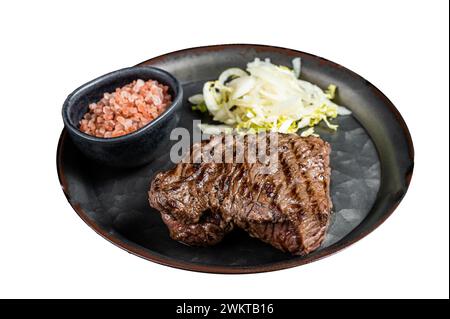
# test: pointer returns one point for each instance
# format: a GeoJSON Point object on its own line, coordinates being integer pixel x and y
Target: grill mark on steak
{"type": "Point", "coordinates": [259, 187]}
{"type": "Point", "coordinates": [289, 209]}
{"type": "Point", "coordinates": [237, 178]}
{"type": "Point", "coordinates": [293, 194]}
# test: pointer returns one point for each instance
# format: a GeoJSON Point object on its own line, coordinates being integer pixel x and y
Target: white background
{"type": "Point", "coordinates": [48, 49]}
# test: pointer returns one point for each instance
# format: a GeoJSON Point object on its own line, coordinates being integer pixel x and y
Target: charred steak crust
{"type": "Point", "coordinates": [289, 208]}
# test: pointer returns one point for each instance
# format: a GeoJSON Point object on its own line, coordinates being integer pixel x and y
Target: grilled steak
{"type": "Point", "coordinates": [288, 208]}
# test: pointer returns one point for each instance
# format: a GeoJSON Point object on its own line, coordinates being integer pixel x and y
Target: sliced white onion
{"type": "Point", "coordinates": [343, 110]}
{"type": "Point", "coordinates": [285, 126]}
{"type": "Point", "coordinates": [210, 100]}
{"type": "Point", "coordinates": [241, 86]}
{"type": "Point", "coordinates": [267, 96]}
{"type": "Point", "coordinates": [308, 132]}
{"type": "Point", "coordinates": [232, 72]}
{"type": "Point", "coordinates": [297, 65]}
{"type": "Point", "coordinates": [304, 122]}
{"type": "Point", "coordinates": [196, 99]}
{"type": "Point", "coordinates": [215, 129]}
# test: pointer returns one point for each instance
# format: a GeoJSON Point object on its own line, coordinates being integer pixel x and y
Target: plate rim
{"type": "Point", "coordinates": [142, 252]}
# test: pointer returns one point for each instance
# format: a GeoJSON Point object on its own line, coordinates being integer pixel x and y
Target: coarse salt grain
{"type": "Point", "coordinates": [127, 109]}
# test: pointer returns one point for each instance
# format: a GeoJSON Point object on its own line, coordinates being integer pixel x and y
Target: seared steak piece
{"type": "Point", "coordinates": [209, 230]}
{"type": "Point", "coordinates": [288, 208]}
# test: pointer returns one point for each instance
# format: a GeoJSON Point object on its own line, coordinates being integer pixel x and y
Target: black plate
{"type": "Point", "coordinates": [372, 163]}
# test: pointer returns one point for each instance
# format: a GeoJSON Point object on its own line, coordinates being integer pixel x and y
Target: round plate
{"type": "Point", "coordinates": [372, 161]}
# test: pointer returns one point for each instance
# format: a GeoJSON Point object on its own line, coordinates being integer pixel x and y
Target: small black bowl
{"type": "Point", "coordinates": [136, 148]}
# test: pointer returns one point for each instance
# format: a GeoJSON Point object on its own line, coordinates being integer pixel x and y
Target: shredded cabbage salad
{"type": "Point", "coordinates": [266, 97]}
